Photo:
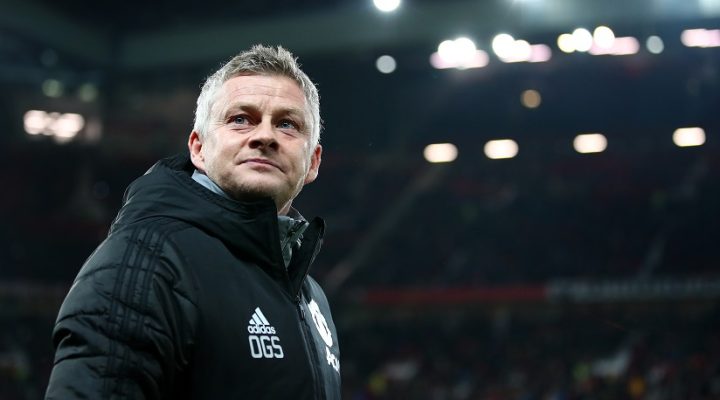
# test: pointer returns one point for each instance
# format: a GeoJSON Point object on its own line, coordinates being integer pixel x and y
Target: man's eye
{"type": "Point", "coordinates": [287, 124]}
{"type": "Point", "coordinates": [239, 119]}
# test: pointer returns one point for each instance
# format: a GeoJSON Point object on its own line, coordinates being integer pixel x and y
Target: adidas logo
{"type": "Point", "coordinates": [262, 339]}
{"type": "Point", "coordinates": [259, 324]}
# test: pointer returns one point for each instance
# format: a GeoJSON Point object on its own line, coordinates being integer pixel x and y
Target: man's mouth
{"type": "Point", "coordinates": [262, 161]}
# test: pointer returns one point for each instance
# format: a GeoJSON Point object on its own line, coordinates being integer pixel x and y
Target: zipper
{"type": "Point", "coordinates": [298, 271]}
{"type": "Point", "coordinates": [310, 348]}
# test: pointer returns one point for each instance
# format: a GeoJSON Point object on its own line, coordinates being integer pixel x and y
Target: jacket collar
{"type": "Point", "coordinates": [249, 228]}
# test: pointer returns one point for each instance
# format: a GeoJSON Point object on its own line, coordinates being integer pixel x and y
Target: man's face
{"type": "Point", "coordinates": [259, 142]}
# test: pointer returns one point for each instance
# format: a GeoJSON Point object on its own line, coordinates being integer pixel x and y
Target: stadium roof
{"type": "Point", "coordinates": [139, 35]}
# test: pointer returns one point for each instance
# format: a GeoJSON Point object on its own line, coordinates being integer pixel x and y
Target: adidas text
{"type": "Point", "coordinates": [261, 329]}
{"type": "Point", "coordinates": [262, 339]}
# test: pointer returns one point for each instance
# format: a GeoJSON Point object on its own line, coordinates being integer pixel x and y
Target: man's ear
{"type": "Point", "coordinates": [315, 160]}
{"type": "Point", "coordinates": [195, 147]}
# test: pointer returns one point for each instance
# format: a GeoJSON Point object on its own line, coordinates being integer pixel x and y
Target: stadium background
{"type": "Point", "coordinates": [552, 274]}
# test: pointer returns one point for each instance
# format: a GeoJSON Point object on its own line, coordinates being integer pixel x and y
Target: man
{"type": "Point", "coordinates": [201, 289]}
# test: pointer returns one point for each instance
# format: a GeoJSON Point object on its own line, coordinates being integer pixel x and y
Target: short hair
{"type": "Point", "coordinates": [259, 60]}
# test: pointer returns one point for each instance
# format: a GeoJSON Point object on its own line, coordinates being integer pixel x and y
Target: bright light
{"type": "Point", "coordinates": [52, 88]}
{"type": "Point", "coordinates": [582, 39]}
{"type": "Point", "coordinates": [531, 98]}
{"type": "Point", "coordinates": [499, 149]}
{"type": "Point", "coordinates": [603, 37]}
{"type": "Point", "coordinates": [566, 43]}
{"type": "Point", "coordinates": [622, 46]}
{"type": "Point", "coordinates": [61, 126]}
{"type": "Point", "coordinates": [655, 45]}
{"type": "Point", "coordinates": [701, 37]}
{"type": "Point", "coordinates": [464, 46]}
{"type": "Point", "coordinates": [440, 152]}
{"type": "Point", "coordinates": [386, 64]}
{"type": "Point", "coordinates": [522, 50]}
{"type": "Point", "coordinates": [459, 53]}
{"type": "Point", "coordinates": [625, 45]}
{"type": "Point", "coordinates": [509, 50]}
{"type": "Point", "coordinates": [49, 121]}
{"type": "Point", "coordinates": [446, 49]}
{"type": "Point", "coordinates": [503, 45]}
{"type": "Point", "coordinates": [540, 53]}
{"type": "Point", "coordinates": [590, 143]}
{"type": "Point", "coordinates": [387, 5]}
{"type": "Point", "coordinates": [686, 137]}
{"type": "Point", "coordinates": [34, 121]}
{"type": "Point", "coordinates": [456, 51]}
{"type": "Point", "coordinates": [67, 125]}
{"type": "Point", "coordinates": [478, 60]}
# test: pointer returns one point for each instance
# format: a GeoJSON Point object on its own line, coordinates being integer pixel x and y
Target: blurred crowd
{"type": "Point", "coordinates": [25, 356]}
{"type": "Point", "coordinates": [649, 351]}
{"type": "Point", "coordinates": [611, 217]}
{"type": "Point", "coordinates": [410, 223]}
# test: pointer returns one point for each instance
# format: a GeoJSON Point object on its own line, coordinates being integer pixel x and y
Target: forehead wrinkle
{"type": "Point", "coordinates": [278, 110]}
{"type": "Point", "coordinates": [260, 89]}
{"type": "Point", "coordinates": [278, 88]}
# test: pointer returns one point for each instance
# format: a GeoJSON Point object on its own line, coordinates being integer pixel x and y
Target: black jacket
{"type": "Point", "coordinates": [189, 298]}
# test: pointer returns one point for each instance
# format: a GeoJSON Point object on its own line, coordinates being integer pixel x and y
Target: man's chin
{"type": "Point", "coordinates": [253, 193]}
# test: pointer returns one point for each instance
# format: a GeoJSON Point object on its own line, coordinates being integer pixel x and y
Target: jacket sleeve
{"type": "Point", "coordinates": [126, 328]}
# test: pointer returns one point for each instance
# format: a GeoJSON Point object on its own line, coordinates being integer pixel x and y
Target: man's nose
{"type": "Point", "coordinates": [263, 136]}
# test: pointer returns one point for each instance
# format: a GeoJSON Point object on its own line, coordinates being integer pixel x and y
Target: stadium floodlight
{"type": "Point", "coordinates": [66, 126]}
{"type": "Point", "coordinates": [509, 50]}
{"type": "Point", "coordinates": [440, 152]}
{"type": "Point", "coordinates": [463, 47]}
{"type": "Point", "coordinates": [701, 37]}
{"type": "Point", "coordinates": [688, 137]}
{"type": "Point", "coordinates": [625, 46]}
{"type": "Point", "coordinates": [477, 60]}
{"type": "Point", "coordinates": [590, 143]}
{"type": "Point", "coordinates": [531, 98]}
{"type": "Point", "coordinates": [460, 53]}
{"type": "Point", "coordinates": [522, 50]}
{"type": "Point", "coordinates": [655, 44]}
{"type": "Point", "coordinates": [61, 126]}
{"type": "Point", "coordinates": [34, 122]}
{"type": "Point", "coordinates": [603, 37]}
{"type": "Point", "coordinates": [501, 149]}
{"type": "Point", "coordinates": [386, 64]}
{"type": "Point", "coordinates": [582, 39]}
{"type": "Point", "coordinates": [566, 43]}
{"type": "Point", "coordinates": [387, 5]}
{"type": "Point", "coordinates": [503, 45]}
{"type": "Point", "coordinates": [540, 53]}
{"type": "Point", "coordinates": [621, 46]}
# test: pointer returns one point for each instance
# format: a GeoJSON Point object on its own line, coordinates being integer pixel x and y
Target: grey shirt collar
{"type": "Point", "coordinates": [204, 180]}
